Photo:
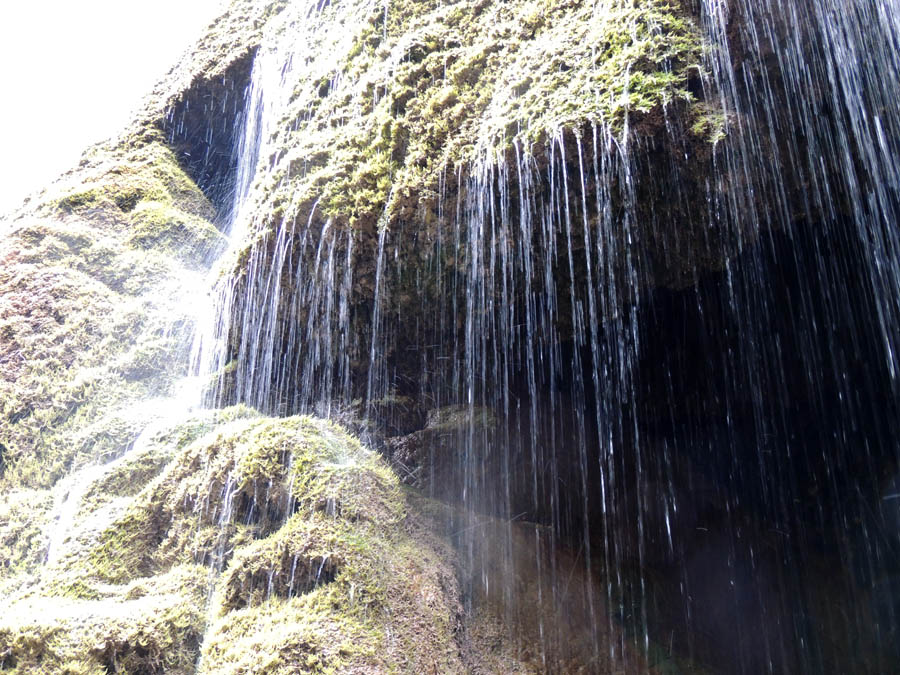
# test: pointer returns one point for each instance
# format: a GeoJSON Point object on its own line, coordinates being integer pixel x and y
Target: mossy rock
{"type": "Point", "coordinates": [263, 470]}
{"type": "Point", "coordinates": [425, 89]}
{"type": "Point", "coordinates": [186, 237]}
{"type": "Point", "coordinates": [459, 418]}
{"type": "Point", "coordinates": [91, 302]}
{"type": "Point", "coordinates": [251, 543]}
{"type": "Point", "coordinates": [154, 627]}
{"type": "Point", "coordinates": [23, 514]}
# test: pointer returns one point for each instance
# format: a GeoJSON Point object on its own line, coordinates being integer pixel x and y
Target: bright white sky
{"type": "Point", "coordinates": [73, 72]}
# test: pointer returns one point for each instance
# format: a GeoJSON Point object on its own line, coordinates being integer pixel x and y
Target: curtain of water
{"type": "Point", "coordinates": [521, 272]}
{"type": "Point", "coordinates": [280, 335]}
{"type": "Point", "coordinates": [810, 91]}
{"type": "Point", "coordinates": [705, 452]}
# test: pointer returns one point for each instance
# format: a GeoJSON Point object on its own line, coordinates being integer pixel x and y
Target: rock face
{"type": "Point", "coordinates": [90, 319]}
{"type": "Point", "coordinates": [135, 538]}
{"type": "Point", "coordinates": [390, 133]}
{"type": "Point", "coordinates": [248, 543]}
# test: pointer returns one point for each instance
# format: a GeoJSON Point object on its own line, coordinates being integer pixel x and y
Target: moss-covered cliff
{"type": "Point", "coordinates": [91, 318]}
{"type": "Point", "coordinates": [135, 539]}
{"type": "Point", "coordinates": [406, 93]}
{"type": "Point", "coordinates": [394, 133]}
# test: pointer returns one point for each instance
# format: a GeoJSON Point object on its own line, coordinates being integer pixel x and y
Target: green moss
{"type": "Point", "coordinates": [154, 629]}
{"type": "Point", "coordinates": [80, 199]}
{"type": "Point", "coordinates": [199, 423]}
{"type": "Point", "coordinates": [284, 636]}
{"type": "Point", "coordinates": [113, 433]}
{"type": "Point", "coordinates": [23, 513]}
{"type": "Point", "coordinates": [322, 562]}
{"type": "Point", "coordinates": [92, 317]}
{"type": "Point", "coordinates": [460, 417]}
{"type": "Point", "coordinates": [128, 476]}
{"type": "Point", "coordinates": [188, 238]}
{"type": "Point", "coordinates": [328, 587]}
{"type": "Point", "coordinates": [266, 468]}
{"type": "Point", "coordinates": [116, 183]}
{"type": "Point", "coordinates": [711, 124]}
{"type": "Point", "coordinates": [451, 84]}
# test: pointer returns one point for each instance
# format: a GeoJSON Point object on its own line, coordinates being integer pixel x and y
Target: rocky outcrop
{"type": "Point", "coordinates": [245, 542]}
{"type": "Point", "coordinates": [90, 308]}
{"type": "Point", "coordinates": [405, 142]}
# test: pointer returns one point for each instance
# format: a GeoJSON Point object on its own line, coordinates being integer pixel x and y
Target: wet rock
{"type": "Point", "coordinates": [429, 459]}
{"type": "Point", "coordinates": [397, 415]}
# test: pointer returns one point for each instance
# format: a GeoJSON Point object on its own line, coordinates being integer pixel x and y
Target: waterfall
{"type": "Point", "coordinates": [187, 392]}
{"type": "Point", "coordinates": [283, 301]}
{"type": "Point", "coordinates": [809, 179]}
{"type": "Point", "coordinates": [675, 371]}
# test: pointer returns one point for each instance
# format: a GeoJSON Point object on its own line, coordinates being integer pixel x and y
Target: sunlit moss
{"type": "Point", "coordinates": [23, 513]}
{"type": "Point", "coordinates": [442, 84]}
{"type": "Point", "coordinates": [184, 236]}
{"type": "Point", "coordinates": [90, 312]}
{"type": "Point", "coordinates": [151, 627]}
{"type": "Point", "coordinates": [323, 563]}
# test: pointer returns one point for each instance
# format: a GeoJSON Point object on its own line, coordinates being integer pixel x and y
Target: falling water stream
{"type": "Point", "coordinates": [715, 458]}
{"type": "Point", "coordinates": [648, 469]}
{"type": "Point", "coordinates": [190, 390]}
